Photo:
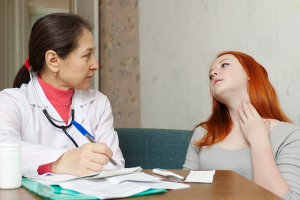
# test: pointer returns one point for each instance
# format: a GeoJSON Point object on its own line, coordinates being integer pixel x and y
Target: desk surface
{"type": "Point", "coordinates": [226, 185]}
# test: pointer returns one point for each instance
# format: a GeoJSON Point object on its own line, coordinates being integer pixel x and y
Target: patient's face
{"type": "Point", "coordinates": [228, 78]}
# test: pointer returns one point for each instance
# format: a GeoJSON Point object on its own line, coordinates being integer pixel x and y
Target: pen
{"type": "Point", "coordinates": [91, 139]}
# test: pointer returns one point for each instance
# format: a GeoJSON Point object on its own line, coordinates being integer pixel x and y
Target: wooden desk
{"type": "Point", "coordinates": [226, 185]}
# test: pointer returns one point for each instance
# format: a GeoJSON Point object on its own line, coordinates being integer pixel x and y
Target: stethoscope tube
{"type": "Point", "coordinates": [62, 127]}
{"type": "Point", "coordinates": [50, 120]}
{"type": "Point", "coordinates": [45, 111]}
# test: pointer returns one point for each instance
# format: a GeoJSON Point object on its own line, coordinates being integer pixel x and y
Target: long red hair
{"type": "Point", "coordinates": [262, 96]}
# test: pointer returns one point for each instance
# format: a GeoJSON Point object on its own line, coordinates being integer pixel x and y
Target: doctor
{"type": "Point", "coordinates": [61, 54]}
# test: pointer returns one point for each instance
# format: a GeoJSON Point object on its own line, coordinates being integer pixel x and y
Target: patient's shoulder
{"type": "Point", "coordinates": [273, 123]}
{"type": "Point", "coordinates": [199, 133]}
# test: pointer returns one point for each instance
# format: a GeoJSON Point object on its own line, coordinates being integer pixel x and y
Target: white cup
{"type": "Point", "coordinates": [10, 165]}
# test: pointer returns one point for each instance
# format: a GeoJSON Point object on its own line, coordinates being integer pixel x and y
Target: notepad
{"type": "Point", "coordinates": [103, 174]}
{"type": "Point", "coordinates": [200, 176]}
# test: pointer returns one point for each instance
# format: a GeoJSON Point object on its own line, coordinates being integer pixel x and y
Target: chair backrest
{"type": "Point", "coordinates": [153, 148]}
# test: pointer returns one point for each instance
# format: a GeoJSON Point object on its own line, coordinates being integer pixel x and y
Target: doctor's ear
{"type": "Point", "coordinates": [52, 61]}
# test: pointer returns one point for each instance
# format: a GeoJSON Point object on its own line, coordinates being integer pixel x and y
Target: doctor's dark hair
{"type": "Point", "coordinates": [59, 32]}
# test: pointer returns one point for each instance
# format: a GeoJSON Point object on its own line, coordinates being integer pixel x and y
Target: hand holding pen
{"type": "Point", "coordinates": [86, 159]}
{"type": "Point", "coordinates": [91, 139]}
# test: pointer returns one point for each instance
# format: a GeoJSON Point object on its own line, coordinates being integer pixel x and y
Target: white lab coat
{"type": "Point", "coordinates": [22, 121]}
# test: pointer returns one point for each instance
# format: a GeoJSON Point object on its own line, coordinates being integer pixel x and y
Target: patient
{"type": "Point", "coordinates": [247, 131]}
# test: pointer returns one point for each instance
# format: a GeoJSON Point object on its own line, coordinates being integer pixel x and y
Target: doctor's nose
{"type": "Point", "coordinates": [94, 65]}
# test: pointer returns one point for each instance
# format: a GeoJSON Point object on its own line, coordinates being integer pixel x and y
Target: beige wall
{"type": "Point", "coordinates": [179, 39]}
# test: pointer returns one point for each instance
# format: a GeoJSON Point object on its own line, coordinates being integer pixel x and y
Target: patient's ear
{"type": "Point", "coordinates": [248, 78]}
{"type": "Point", "coordinates": [52, 61]}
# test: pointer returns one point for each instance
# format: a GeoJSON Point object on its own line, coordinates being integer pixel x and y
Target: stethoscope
{"type": "Point", "coordinates": [48, 116]}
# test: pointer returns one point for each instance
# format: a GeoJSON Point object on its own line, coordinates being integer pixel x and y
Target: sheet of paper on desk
{"type": "Point", "coordinates": [67, 177]}
{"type": "Point", "coordinates": [163, 185]}
{"type": "Point", "coordinates": [200, 176]}
{"type": "Point", "coordinates": [103, 189]}
{"type": "Point", "coordinates": [120, 186]}
{"type": "Point", "coordinates": [141, 177]}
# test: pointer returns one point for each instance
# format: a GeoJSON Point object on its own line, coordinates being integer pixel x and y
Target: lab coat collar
{"type": "Point", "coordinates": [81, 97]}
{"type": "Point", "coordinates": [32, 98]}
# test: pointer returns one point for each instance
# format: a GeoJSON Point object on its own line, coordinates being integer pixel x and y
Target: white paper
{"type": "Point", "coordinates": [110, 173]}
{"type": "Point", "coordinates": [42, 175]}
{"type": "Point", "coordinates": [200, 176]}
{"type": "Point", "coordinates": [103, 189]}
{"type": "Point", "coordinates": [147, 180]}
{"type": "Point", "coordinates": [67, 177]}
{"type": "Point", "coordinates": [162, 185]}
{"type": "Point", "coordinates": [202, 173]}
{"type": "Point", "coordinates": [46, 174]}
{"type": "Point", "coordinates": [55, 178]}
{"type": "Point", "coordinates": [139, 177]}
{"type": "Point", "coordinates": [113, 187]}
{"type": "Point", "coordinates": [46, 182]}
{"type": "Point", "coordinates": [199, 181]}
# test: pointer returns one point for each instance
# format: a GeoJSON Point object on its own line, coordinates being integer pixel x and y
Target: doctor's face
{"type": "Point", "coordinates": [76, 71]}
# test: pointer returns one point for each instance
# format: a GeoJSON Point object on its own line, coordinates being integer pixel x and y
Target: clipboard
{"type": "Point", "coordinates": [55, 192]}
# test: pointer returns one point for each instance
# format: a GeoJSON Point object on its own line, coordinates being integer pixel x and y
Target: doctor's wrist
{"type": "Point", "coordinates": [57, 167]}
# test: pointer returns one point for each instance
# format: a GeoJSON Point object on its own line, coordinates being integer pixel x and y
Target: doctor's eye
{"type": "Point", "coordinates": [225, 64]}
{"type": "Point", "coordinates": [87, 55]}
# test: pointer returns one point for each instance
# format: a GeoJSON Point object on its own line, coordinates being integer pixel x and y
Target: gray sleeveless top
{"type": "Point", "coordinates": [285, 144]}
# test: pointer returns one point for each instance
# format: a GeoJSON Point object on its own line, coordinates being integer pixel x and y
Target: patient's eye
{"type": "Point", "coordinates": [225, 64]}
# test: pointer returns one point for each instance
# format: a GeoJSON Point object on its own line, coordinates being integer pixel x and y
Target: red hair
{"type": "Point", "coordinates": [262, 96]}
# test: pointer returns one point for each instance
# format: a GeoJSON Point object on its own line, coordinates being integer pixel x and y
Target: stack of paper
{"type": "Point", "coordinates": [102, 174]}
{"type": "Point", "coordinates": [120, 186]}
{"type": "Point", "coordinates": [200, 176]}
{"type": "Point", "coordinates": [110, 184]}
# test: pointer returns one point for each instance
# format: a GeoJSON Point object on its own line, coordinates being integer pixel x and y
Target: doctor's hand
{"type": "Point", "coordinates": [255, 130]}
{"type": "Point", "coordinates": [87, 159]}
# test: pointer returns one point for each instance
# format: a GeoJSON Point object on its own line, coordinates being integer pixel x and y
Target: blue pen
{"type": "Point", "coordinates": [91, 139]}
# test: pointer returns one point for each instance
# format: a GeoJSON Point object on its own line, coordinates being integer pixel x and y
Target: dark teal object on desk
{"type": "Point", "coordinates": [153, 148]}
{"type": "Point", "coordinates": [55, 192]}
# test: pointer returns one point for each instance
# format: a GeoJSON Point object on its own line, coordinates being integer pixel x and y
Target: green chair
{"type": "Point", "coordinates": [153, 148]}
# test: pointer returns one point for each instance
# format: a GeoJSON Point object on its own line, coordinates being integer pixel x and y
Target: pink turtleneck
{"type": "Point", "coordinates": [61, 100]}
